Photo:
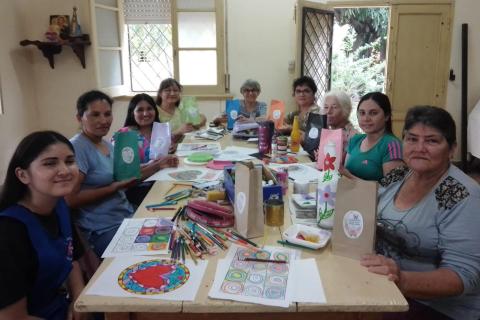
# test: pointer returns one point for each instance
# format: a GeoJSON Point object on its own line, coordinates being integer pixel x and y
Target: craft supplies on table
{"type": "Point", "coordinates": [186, 149]}
{"type": "Point", "coordinates": [307, 236]}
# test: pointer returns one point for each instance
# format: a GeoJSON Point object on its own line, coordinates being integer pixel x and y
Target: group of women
{"type": "Point", "coordinates": [427, 223]}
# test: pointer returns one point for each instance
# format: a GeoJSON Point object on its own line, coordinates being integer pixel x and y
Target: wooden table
{"type": "Point", "coordinates": [351, 291]}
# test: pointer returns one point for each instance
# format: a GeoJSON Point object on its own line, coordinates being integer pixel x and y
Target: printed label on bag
{"type": "Point", "coordinates": [128, 155]}
{"type": "Point", "coordinates": [240, 201]}
{"type": "Point", "coordinates": [233, 114]}
{"type": "Point", "coordinates": [276, 114]}
{"type": "Point", "coordinates": [313, 133]}
{"type": "Point", "coordinates": [353, 224]}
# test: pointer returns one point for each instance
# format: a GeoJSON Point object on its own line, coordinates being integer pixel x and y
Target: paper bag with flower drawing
{"type": "Point", "coordinates": [330, 150]}
{"type": "Point", "coordinates": [326, 198]}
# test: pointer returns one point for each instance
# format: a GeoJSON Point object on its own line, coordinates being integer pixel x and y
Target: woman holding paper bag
{"type": "Point", "coordinates": [100, 200]}
{"type": "Point", "coordinates": [168, 100]}
{"type": "Point", "coordinates": [428, 222]}
{"type": "Point", "coordinates": [141, 115]}
{"type": "Point", "coordinates": [372, 155]}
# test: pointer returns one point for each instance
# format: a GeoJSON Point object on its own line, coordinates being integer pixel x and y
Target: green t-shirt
{"type": "Point", "coordinates": [174, 119]}
{"type": "Point", "coordinates": [369, 165]}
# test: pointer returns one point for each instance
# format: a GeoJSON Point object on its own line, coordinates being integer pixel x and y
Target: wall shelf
{"type": "Point", "coordinates": [49, 49]}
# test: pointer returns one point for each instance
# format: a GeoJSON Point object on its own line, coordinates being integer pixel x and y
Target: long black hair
{"type": "Point", "coordinates": [383, 102]}
{"type": "Point", "coordinates": [27, 151]}
{"type": "Point", "coordinates": [130, 119]}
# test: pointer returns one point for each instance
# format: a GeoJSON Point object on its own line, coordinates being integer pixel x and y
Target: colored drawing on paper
{"type": "Point", "coordinates": [140, 237]}
{"type": "Point", "coordinates": [257, 279]}
{"type": "Point", "coordinates": [186, 175]}
{"type": "Point", "coordinates": [153, 277]}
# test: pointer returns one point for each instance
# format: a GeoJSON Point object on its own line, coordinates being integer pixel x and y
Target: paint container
{"type": "Point", "coordinates": [282, 145]}
{"type": "Point", "coordinates": [274, 217]}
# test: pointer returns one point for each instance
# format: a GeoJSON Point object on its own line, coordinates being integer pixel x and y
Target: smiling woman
{"type": "Point", "coordinates": [38, 246]}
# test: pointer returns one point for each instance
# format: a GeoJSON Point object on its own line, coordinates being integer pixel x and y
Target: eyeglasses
{"type": "Point", "coordinates": [304, 92]}
{"type": "Point", "coordinates": [250, 90]}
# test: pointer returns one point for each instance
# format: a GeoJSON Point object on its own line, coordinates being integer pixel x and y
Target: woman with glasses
{"type": "Point", "coordinates": [428, 222]}
{"type": "Point", "coordinates": [250, 108]}
{"type": "Point", "coordinates": [304, 90]}
{"type": "Point", "coordinates": [168, 100]}
{"type": "Point", "coordinates": [371, 155]}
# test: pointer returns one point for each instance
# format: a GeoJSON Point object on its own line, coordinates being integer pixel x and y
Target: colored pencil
{"type": "Point", "coordinates": [175, 216]}
{"type": "Point", "coordinates": [286, 243]}
{"type": "Point", "coordinates": [243, 238]}
{"type": "Point", "coordinates": [264, 260]}
{"type": "Point", "coordinates": [160, 209]}
{"type": "Point", "coordinates": [161, 204]}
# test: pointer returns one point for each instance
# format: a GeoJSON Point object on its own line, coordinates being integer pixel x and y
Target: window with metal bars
{"type": "Point", "coordinates": [151, 55]}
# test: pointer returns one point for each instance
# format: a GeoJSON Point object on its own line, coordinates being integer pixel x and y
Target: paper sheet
{"type": "Point", "coordinates": [183, 281]}
{"type": "Point", "coordinates": [308, 286]}
{"type": "Point", "coordinates": [300, 172]}
{"type": "Point", "coordinates": [233, 153]}
{"type": "Point", "coordinates": [186, 173]}
{"type": "Point", "coordinates": [140, 236]}
{"type": "Point", "coordinates": [255, 282]}
{"type": "Point", "coordinates": [186, 149]}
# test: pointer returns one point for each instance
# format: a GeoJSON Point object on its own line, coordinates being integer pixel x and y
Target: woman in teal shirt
{"type": "Point", "coordinates": [372, 155]}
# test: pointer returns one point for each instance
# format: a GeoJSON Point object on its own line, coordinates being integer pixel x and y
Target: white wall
{"type": "Point", "coordinates": [16, 81]}
{"type": "Point", "coordinates": [466, 11]}
{"type": "Point", "coordinates": [261, 42]}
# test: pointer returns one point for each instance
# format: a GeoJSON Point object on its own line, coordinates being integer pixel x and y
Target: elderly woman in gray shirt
{"type": "Point", "coordinates": [428, 224]}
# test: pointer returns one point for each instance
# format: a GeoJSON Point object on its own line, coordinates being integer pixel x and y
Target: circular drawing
{"type": "Point", "coordinates": [262, 254]}
{"type": "Point", "coordinates": [281, 256]}
{"type": "Point", "coordinates": [274, 293]}
{"type": "Point", "coordinates": [153, 277]}
{"type": "Point", "coordinates": [232, 287]}
{"type": "Point", "coordinates": [239, 264]}
{"type": "Point", "coordinates": [278, 281]}
{"type": "Point", "coordinates": [256, 278]}
{"type": "Point", "coordinates": [128, 155]}
{"type": "Point", "coordinates": [253, 291]}
{"type": "Point", "coordinates": [236, 275]}
{"type": "Point", "coordinates": [279, 268]}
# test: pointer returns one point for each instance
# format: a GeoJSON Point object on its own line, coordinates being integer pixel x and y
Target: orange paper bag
{"type": "Point", "coordinates": [276, 113]}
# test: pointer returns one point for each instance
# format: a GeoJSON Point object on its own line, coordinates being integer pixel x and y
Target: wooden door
{"type": "Point", "coordinates": [418, 58]}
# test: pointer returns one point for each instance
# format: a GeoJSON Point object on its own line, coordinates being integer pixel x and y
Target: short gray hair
{"type": "Point", "coordinates": [343, 100]}
{"type": "Point", "coordinates": [250, 84]}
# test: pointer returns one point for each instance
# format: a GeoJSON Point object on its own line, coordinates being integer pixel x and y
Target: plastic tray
{"type": "Point", "coordinates": [291, 235]}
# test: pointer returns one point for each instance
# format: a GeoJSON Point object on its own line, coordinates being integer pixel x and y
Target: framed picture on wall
{"type": "Point", "coordinates": [61, 24]}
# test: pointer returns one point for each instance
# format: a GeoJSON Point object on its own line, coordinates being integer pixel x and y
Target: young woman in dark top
{"type": "Point", "coordinates": [39, 272]}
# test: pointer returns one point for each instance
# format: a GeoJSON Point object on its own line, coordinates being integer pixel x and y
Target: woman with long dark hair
{"type": "Point", "coordinates": [38, 246]}
{"type": "Point", "coordinates": [371, 155]}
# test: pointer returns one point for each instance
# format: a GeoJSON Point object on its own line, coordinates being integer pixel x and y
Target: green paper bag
{"type": "Point", "coordinates": [189, 112]}
{"type": "Point", "coordinates": [126, 158]}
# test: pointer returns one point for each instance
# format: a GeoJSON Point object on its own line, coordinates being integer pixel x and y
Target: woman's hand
{"type": "Point", "coordinates": [186, 127]}
{"type": "Point", "coordinates": [125, 184]}
{"type": "Point", "coordinates": [168, 161]}
{"type": "Point", "coordinates": [382, 265]}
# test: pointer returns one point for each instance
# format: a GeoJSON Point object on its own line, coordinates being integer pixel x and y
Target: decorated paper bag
{"type": "Point", "coordinates": [326, 198]}
{"type": "Point", "coordinates": [160, 140]}
{"type": "Point", "coordinates": [232, 109]}
{"type": "Point", "coordinates": [276, 113]}
{"type": "Point", "coordinates": [330, 150]}
{"type": "Point", "coordinates": [315, 123]}
{"type": "Point", "coordinates": [126, 158]}
{"type": "Point", "coordinates": [248, 200]}
{"type": "Point", "coordinates": [189, 112]}
{"type": "Point", "coordinates": [355, 218]}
